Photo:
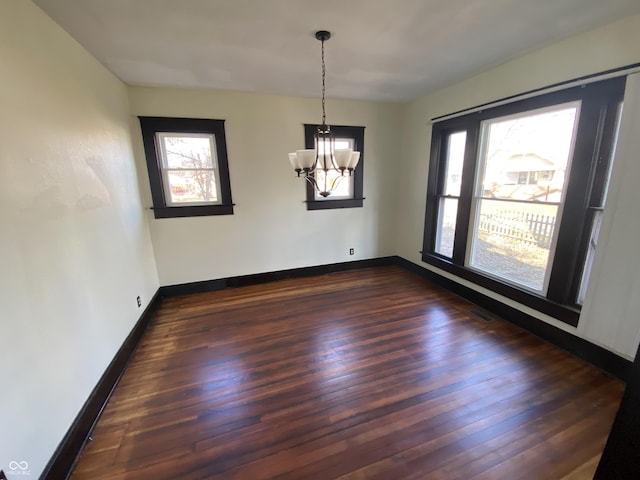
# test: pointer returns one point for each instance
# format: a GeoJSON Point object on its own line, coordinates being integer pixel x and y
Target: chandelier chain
{"type": "Point", "coordinates": [324, 72]}
{"type": "Point", "coordinates": [324, 158]}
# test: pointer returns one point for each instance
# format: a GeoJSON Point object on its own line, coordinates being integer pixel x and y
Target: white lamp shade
{"type": "Point", "coordinates": [353, 161]}
{"type": "Point", "coordinates": [306, 158]}
{"type": "Point", "coordinates": [293, 160]}
{"type": "Point", "coordinates": [343, 157]}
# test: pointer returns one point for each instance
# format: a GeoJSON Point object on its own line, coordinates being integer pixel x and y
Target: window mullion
{"type": "Point", "coordinates": [438, 146]}
{"type": "Point", "coordinates": [466, 193]}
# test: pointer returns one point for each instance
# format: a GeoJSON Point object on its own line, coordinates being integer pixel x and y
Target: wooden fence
{"type": "Point", "coordinates": [535, 229]}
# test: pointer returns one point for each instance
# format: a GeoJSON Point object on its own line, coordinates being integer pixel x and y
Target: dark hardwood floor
{"type": "Point", "coordinates": [367, 374]}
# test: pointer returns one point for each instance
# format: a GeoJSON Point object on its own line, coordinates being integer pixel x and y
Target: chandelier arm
{"type": "Point", "coordinates": [316, 183]}
{"type": "Point", "coordinates": [336, 181]}
{"type": "Point", "coordinates": [326, 180]}
{"type": "Point", "coordinates": [312, 180]}
{"type": "Point", "coordinates": [323, 135]}
{"type": "Point", "coordinates": [327, 185]}
{"type": "Point", "coordinates": [332, 142]}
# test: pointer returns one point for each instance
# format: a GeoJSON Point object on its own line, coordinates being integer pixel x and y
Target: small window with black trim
{"type": "Point", "coordinates": [187, 165]}
{"type": "Point", "coordinates": [349, 188]}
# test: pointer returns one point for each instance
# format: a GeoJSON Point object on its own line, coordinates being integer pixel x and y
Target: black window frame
{"type": "Point", "coordinates": [595, 135]}
{"type": "Point", "coordinates": [150, 126]}
{"type": "Point", "coordinates": [339, 131]}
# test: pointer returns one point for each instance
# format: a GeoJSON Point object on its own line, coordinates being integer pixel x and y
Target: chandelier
{"type": "Point", "coordinates": [324, 167]}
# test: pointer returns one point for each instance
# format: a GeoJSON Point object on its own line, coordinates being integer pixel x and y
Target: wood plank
{"type": "Point", "coordinates": [373, 373]}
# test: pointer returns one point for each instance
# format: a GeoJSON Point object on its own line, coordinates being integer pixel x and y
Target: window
{"type": "Point", "coordinates": [349, 191]}
{"type": "Point", "coordinates": [515, 192]}
{"type": "Point", "coordinates": [187, 165]}
{"type": "Point", "coordinates": [344, 184]}
{"type": "Point", "coordinates": [512, 227]}
{"type": "Point", "coordinates": [450, 193]}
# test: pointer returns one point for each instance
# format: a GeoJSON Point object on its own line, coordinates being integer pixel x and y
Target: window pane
{"type": "Point", "coordinates": [187, 151]}
{"type": "Point", "coordinates": [524, 161]}
{"type": "Point", "coordinates": [526, 157]}
{"type": "Point", "coordinates": [591, 251]}
{"type": "Point", "coordinates": [339, 143]}
{"type": "Point", "coordinates": [455, 159]}
{"type": "Point", "coordinates": [447, 211]}
{"type": "Point", "coordinates": [512, 240]}
{"type": "Point", "coordinates": [343, 183]}
{"type": "Point", "coordinates": [192, 186]}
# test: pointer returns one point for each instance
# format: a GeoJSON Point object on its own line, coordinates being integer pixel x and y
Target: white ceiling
{"type": "Point", "coordinates": [390, 50]}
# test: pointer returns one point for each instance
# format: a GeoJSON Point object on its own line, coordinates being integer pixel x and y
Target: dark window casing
{"type": "Point", "coordinates": [339, 131]}
{"type": "Point", "coordinates": [152, 125]}
{"type": "Point", "coordinates": [600, 103]}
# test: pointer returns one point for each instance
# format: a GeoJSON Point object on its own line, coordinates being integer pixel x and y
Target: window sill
{"type": "Point", "coordinates": [329, 204]}
{"type": "Point", "coordinates": [564, 313]}
{"type": "Point", "coordinates": [192, 211]}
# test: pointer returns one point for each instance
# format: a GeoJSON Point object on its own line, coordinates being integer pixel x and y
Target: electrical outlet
{"type": "Point", "coordinates": [351, 251]}
{"type": "Point", "coordinates": [139, 301]}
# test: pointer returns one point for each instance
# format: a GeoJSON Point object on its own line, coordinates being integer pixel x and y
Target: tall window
{"type": "Point", "coordinates": [512, 225]}
{"type": "Point", "coordinates": [449, 192]}
{"type": "Point", "coordinates": [187, 164]}
{"type": "Point", "coordinates": [514, 194]}
{"type": "Point", "coordinates": [349, 189]}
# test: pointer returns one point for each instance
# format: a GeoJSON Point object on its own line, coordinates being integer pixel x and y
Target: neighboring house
{"type": "Point", "coordinates": [528, 176]}
{"type": "Point", "coordinates": [529, 169]}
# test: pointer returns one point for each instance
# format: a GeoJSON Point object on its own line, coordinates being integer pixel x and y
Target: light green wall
{"type": "Point", "coordinates": [610, 312]}
{"type": "Point", "coordinates": [612, 46]}
{"type": "Point", "coordinates": [75, 249]}
{"type": "Point", "coordinates": [271, 229]}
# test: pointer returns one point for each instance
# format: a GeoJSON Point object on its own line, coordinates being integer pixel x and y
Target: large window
{"type": "Point", "coordinates": [515, 194]}
{"type": "Point", "coordinates": [349, 188]}
{"type": "Point", "coordinates": [187, 164]}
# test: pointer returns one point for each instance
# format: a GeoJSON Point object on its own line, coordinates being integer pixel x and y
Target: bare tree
{"type": "Point", "coordinates": [197, 164]}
